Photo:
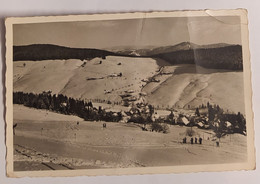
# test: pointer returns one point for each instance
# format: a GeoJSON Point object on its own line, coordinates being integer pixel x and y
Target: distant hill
{"type": "Point", "coordinates": [215, 56]}
{"type": "Point", "coordinates": [229, 57]}
{"type": "Point", "coordinates": [166, 49]}
{"type": "Point", "coordinates": [37, 52]}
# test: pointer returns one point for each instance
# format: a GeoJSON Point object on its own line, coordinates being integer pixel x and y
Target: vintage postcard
{"type": "Point", "coordinates": [129, 93]}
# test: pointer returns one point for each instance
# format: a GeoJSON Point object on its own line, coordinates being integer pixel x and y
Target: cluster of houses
{"type": "Point", "coordinates": [146, 114]}
{"type": "Point", "coordinates": [139, 111]}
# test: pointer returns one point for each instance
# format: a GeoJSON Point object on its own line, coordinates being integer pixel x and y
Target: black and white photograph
{"type": "Point", "coordinates": [129, 92]}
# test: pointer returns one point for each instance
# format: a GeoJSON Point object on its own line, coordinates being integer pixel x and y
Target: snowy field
{"type": "Point", "coordinates": [46, 140]}
{"type": "Point", "coordinates": [178, 86]}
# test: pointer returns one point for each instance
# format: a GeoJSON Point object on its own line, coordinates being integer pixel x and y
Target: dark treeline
{"type": "Point", "coordinates": [226, 57]}
{"type": "Point", "coordinates": [38, 52]}
{"type": "Point", "coordinates": [65, 105]}
{"type": "Point", "coordinates": [229, 57]}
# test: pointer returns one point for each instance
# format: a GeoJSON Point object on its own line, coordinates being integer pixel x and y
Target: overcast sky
{"type": "Point", "coordinates": [133, 33]}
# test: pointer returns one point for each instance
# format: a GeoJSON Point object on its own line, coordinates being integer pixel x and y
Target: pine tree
{"type": "Point", "coordinates": [197, 113]}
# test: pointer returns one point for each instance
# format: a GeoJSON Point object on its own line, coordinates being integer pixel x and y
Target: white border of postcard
{"type": "Point", "coordinates": [249, 165]}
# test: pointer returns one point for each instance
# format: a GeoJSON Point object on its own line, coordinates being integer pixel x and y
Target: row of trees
{"type": "Point", "coordinates": [65, 105]}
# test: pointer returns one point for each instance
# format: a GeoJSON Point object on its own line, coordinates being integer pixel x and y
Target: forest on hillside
{"type": "Point", "coordinates": [38, 52]}
{"type": "Point", "coordinates": [227, 57]}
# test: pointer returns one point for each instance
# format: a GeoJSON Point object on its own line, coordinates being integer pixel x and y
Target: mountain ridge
{"type": "Point", "coordinates": [216, 56]}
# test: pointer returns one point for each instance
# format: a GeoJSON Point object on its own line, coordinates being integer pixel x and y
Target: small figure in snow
{"type": "Point", "coordinates": [104, 125]}
{"type": "Point", "coordinates": [200, 140]}
{"type": "Point", "coordinates": [184, 140]}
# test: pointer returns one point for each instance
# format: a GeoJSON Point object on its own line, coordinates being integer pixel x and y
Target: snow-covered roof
{"type": "Point", "coordinates": [228, 124]}
{"type": "Point", "coordinates": [185, 120]}
{"type": "Point", "coordinates": [200, 124]}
